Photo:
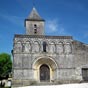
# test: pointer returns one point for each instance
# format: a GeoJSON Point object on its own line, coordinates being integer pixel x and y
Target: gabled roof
{"type": "Point", "coordinates": [34, 16]}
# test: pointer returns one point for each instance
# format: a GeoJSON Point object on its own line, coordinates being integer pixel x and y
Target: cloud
{"type": "Point", "coordinates": [53, 26]}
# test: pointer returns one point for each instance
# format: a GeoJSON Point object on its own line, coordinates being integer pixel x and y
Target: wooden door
{"type": "Point", "coordinates": [44, 73]}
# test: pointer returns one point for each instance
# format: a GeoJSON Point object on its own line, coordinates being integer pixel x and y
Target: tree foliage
{"type": "Point", "coordinates": [5, 65]}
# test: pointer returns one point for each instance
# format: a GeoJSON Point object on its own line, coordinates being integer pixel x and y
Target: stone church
{"type": "Point", "coordinates": [42, 59]}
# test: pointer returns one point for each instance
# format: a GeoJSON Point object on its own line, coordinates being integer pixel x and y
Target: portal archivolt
{"type": "Point", "coordinates": [45, 69]}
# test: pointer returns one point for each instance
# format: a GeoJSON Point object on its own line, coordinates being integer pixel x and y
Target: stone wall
{"type": "Point", "coordinates": [69, 55]}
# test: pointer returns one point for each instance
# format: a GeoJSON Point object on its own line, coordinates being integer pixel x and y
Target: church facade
{"type": "Point", "coordinates": [38, 58]}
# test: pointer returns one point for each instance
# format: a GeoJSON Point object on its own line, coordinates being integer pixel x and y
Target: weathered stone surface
{"type": "Point", "coordinates": [64, 56]}
{"type": "Point", "coordinates": [67, 56]}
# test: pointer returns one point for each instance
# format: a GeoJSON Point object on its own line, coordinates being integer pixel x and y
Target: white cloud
{"type": "Point", "coordinates": [53, 26]}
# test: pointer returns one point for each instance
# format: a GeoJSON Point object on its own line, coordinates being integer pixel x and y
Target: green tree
{"type": "Point", "coordinates": [5, 65]}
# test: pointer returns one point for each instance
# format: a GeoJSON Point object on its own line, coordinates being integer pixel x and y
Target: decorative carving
{"type": "Point", "coordinates": [18, 47]}
{"type": "Point", "coordinates": [36, 47]}
{"type": "Point", "coordinates": [52, 47]}
{"type": "Point", "coordinates": [28, 47]}
{"type": "Point", "coordinates": [60, 48]}
{"type": "Point", "coordinates": [67, 48]}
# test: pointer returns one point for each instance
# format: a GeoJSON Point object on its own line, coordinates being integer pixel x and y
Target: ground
{"type": "Point", "coordinates": [82, 85]}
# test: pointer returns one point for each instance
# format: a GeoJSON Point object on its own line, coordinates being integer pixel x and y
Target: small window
{"type": "Point", "coordinates": [35, 31]}
{"type": "Point", "coordinates": [23, 47]}
{"type": "Point", "coordinates": [85, 74]}
{"type": "Point", "coordinates": [35, 28]}
{"type": "Point", "coordinates": [44, 46]}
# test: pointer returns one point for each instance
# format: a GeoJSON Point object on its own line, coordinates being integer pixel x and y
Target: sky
{"type": "Point", "coordinates": [62, 17]}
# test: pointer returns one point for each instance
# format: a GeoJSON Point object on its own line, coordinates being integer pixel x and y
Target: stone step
{"type": "Point", "coordinates": [45, 83]}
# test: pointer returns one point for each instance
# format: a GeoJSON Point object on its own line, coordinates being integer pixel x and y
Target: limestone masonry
{"type": "Point", "coordinates": [39, 59]}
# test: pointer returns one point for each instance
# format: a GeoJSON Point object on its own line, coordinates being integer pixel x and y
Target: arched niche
{"type": "Point", "coordinates": [67, 48]}
{"type": "Point", "coordinates": [18, 46]}
{"type": "Point", "coordinates": [60, 48]}
{"type": "Point", "coordinates": [52, 47]}
{"type": "Point", "coordinates": [36, 46]}
{"type": "Point", "coordinates": [28, 46]}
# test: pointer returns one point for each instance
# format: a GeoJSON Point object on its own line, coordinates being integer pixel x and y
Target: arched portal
{"type": "Point", "coordinates": [44, 73]}
{"type": "Point", "coordinates": [43, 64]}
